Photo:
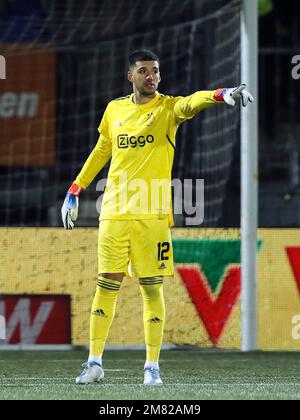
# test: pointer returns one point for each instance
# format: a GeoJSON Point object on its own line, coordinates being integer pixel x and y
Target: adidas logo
{"type": "Point", "coordinates": [162, 265]}
{"type": "Point", "coordinates": [99, 312]}
{"type": "Point", "coordinates": [154, 320]}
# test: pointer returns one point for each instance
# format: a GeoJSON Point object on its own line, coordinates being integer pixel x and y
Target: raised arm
{"type": "Point", "coordinates": [187, 107]}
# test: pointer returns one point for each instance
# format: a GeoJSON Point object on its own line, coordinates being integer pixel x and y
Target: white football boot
{"type": "Point", "coordinates": [92, 372]}
{"type": "Point", "coordinates": [151, 376]}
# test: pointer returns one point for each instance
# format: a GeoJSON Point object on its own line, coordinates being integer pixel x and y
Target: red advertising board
{"type": "Point", "coordinates": [28, 106]}
{"type": "Point", "coordinates": [36, 319]}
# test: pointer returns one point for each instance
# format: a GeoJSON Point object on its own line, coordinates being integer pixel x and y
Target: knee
{"type": "Point", "coordinates": [113, 276]}
{"type": "Point", "coordinates": [151, 287]}
{"type": "Point", "coordinates": [107, 287]}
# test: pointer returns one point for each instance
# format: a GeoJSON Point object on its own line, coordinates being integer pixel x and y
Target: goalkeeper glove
{"type": "Point", "coordinates": [232, 94]}
{"type": "Point", "coordinates": [69, 210]}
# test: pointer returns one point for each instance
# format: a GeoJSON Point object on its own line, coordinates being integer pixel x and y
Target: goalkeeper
{"type": "Point", "coordinates": [138, 133]}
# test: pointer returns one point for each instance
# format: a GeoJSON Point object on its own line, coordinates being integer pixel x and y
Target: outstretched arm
{"type": "Point", "coordinates": [187, 107]}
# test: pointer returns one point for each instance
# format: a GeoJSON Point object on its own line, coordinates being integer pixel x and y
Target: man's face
{"type": "Point", "coordinates": [145, 77]}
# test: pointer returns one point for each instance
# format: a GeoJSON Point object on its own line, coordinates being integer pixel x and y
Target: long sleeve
{"type": "Point", "coordinates": [187, 107]}
{"type": "Point", "coordinates": [95, 162]}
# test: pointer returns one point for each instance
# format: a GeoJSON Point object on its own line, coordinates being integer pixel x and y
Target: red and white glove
{"type": "Point", "coordinates": [230, 95]}
{"type": "Point", "coordinates": [69, 210]}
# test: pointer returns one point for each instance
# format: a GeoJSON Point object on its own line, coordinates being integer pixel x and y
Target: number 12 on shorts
{"type": "Point", "coordinates": [162, 249]}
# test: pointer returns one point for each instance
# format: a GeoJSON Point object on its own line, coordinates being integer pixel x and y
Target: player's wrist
{"type": "Point", "coordinates": [219, 94]}
{"type": "Point", "coordinates": [75, 189]}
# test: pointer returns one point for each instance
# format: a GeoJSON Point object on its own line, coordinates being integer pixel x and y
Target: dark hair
{"type": "Point", "coordinates": [141, 55]}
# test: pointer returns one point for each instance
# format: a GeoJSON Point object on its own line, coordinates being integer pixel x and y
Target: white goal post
{"type": "Point", "coordinates": [249, 175]}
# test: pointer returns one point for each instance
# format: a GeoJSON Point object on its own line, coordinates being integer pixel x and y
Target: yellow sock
{"type": "Point", "coordinates": [154, 315]}
{"type": "Point", "coordinates": [102, 314]}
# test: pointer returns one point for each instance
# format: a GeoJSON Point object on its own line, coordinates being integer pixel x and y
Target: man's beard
{"type": "Point", "coordinates": [145, 93]}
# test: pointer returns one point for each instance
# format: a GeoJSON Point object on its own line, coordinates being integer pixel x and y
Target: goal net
{"type": "Point", "coordinates": [64, 62]}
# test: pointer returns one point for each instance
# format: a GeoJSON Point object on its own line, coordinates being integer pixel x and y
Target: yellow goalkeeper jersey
{"type": "Point", "coordinates": [140, 140]}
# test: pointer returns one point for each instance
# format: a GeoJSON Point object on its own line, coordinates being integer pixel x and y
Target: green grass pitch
{"type": "Point", "coordinates": [187, 375]}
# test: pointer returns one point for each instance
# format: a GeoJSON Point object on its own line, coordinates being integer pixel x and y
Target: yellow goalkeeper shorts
{"type": "Point", "coordinates": [144, 245]}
